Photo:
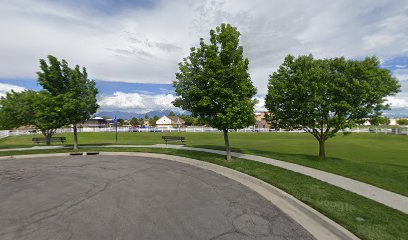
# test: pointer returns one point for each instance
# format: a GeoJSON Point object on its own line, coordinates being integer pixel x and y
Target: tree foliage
{"type": "Point", "coordinates": [72, 87]}
{"type": "Point", "coordinates": [379, 120]}
{"type": "Point", "coordinates": [402, 121]}
{"type": "Point", "coordinates": [69, 97]}
{"type": "Point", "coordinates": [324, 96]}
{"type": "Point", "coordinates": [30, 108]}
{"type": "Point", "coordinates": [188, 119]}
{"type": "Point", "coordinates": [214, 83]}
{"type": "Point", "coordinates": [134, 121]}
{"type": "Point", "coordinates": [17, 109]}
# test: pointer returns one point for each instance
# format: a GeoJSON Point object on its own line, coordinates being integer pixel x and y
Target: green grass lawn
{"type": "Point", "coordinates": [378, 159]}
{"type": "Point", "coordinates": [380, 222]}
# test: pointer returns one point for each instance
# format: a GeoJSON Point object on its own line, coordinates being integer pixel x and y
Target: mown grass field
{"type": "Point", "coordinates": [378, 159]}
{"type": "Point", "coordinates": [379, 221]}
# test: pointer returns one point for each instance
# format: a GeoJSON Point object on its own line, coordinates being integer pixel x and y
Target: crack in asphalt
{"type": "Point", "coordinates": [241, 212]}
{"type": "Point", "coordinates": [59, 210]}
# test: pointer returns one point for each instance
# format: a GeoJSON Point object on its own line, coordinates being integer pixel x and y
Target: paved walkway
{"type": "Point", "coordinates": [377, 194]}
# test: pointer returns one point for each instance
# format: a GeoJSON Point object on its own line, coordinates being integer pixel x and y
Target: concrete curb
{"type": "Point", "coordinates": [314, 222]}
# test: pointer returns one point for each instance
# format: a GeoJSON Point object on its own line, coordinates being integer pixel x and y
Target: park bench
{"type": "Point", "coordinates": [52, 139]}
{"type": "Point", "coordinates": [173, 138]}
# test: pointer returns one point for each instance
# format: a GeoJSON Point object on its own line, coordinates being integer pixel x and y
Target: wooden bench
{"type": "Point", "coordinates": [173, 138]}
{"type": "Point", "coordinates": [52, 139]}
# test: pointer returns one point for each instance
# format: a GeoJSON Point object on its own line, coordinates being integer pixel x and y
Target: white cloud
{"type": "Point", "coordinates": [164, 100]}
{"type": "Point", "coordinates": [260, 106]}
{"type": "Point", "coordinates": [5, 88]}
{"type": "Point", "coordinates": [137, 102]}
{"type": "Point", "coordinates": [398, 102]}
{"type": "Point", "coordinates": [123, 101]}
{"type": "Point", "coordinates": [401, 74]}
{"type": "Point", "coordinates": [145, 44]}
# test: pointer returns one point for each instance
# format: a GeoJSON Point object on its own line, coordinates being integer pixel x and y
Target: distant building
{"type": "Point", "coordinates": [146, 122]}
{"type": "Point", "coordinates": [260, 121]}
{"type": "Point", "coordinates": [393, 121]}
{"type": "Point", "coordinates": [96, 122]}
{"type": "Point", "coordinates": [170, 122]}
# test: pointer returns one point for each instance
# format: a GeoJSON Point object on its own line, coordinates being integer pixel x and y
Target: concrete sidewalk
{"type": "Point", "coordinates": [377, 194]}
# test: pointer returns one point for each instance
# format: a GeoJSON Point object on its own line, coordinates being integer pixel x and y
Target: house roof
{"type": "Point", "coordinates": [96, 118]}
{"type": "Point", "coordinates": [176, 120]}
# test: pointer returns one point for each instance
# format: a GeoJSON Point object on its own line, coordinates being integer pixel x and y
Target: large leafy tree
{"type": "Point", "coordinates": [80, 100]}
{"type": "Point", "coordinates": [39, 109]}
{"type": "Point", "coordinates": [324, 96]}
{"type": "Point", "coordinates": [214, 83]}
{"type": "Point", "coordinates": [78, 93]}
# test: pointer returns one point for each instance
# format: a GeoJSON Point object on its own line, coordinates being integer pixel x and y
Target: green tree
{"type": "Point", "coordinates": [78, 93]}
{"type": "Point", "coordinates": [188, 119]}
{"type": "Point", "coordinates": [121, 121]}
{"type": "Point", "coordinates": [152, 121]}
{"type": "Point", "coordinates": [16, 109]}
{"type": "Point", "coordinates": [134, 121]}
{"type": "Point", "coordinates": [172, 114]}
{"type": "Point", "coordinates": [146, 116]}
{"type": "Point", "coordinates": [49, 114]}
{"type": "Point", "coordinates": [402, 121]}
{"type": "Point", "coordinates": [214, 83]}
{"type": "Point", "coordinates": [41, 110]}
{"type": "Point", "coordinates": [379, 120]}
{"type": "Point", "coordinates": [323, 96]}
{"type": "Point", "coordinates": [155, 118]}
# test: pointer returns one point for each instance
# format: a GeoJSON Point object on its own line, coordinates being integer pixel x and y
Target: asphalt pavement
{"type": "Point", "coordinates": [123, 197]}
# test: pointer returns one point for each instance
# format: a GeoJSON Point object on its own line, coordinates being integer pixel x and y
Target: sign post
{"type": "Point", "coordinates": [115, 121]}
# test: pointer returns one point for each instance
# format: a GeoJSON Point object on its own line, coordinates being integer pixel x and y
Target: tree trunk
{"type": "Point", "coordinates": [227, 144]}
{"type": "Point", "coordinates": [48, 139]}
{"type": "Point", "coordinates": [322, 152]}
{"type": "Point", "coordinates": [47, 134]}
{"type": "Point", "coordinates": [75, 136]}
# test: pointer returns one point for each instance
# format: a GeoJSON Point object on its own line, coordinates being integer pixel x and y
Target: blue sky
{"type": "Point", "coordinates": [132, 48]}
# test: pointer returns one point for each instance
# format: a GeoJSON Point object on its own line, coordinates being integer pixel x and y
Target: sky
{"type": "Point", "coordinates": [132, 48]}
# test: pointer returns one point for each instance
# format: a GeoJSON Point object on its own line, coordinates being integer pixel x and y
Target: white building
{"type": "Point", "coordinates": [168, 122]}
